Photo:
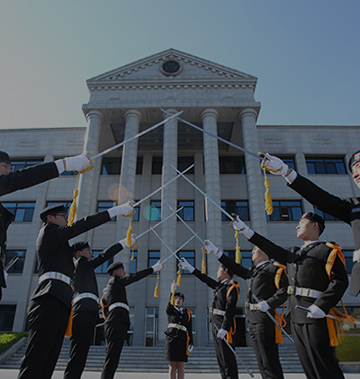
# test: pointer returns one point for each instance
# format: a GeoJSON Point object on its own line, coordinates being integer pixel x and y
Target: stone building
{"type": "Point", "coordinates": [127, 101]}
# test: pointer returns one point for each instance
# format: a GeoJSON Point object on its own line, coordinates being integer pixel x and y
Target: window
{"type": "Point", "coordinates": [325, 216]}
{"type": "Point", "coordinates": [232, 165]}
{"type": "Point", "coordinates": [102, 269]}
{"type": "Point", "coordinates": [157, 163]}
{"type": "Point", "coordinates": [290, 161]}
{"type": "Point", "coordinates": [348, 254]}
{"type": "Point", "coordinates": [7, 315]}
{"type": "Point", "coordinates": [19, 165]}
{"type": "Point", "coordinates": [189, 256]}
{"type": "Point", "coordinates": [23, 212]}
{"type": "Point", "coordinates": [246, 260]}
{"type": "Point", "coordinates": [187, 213]}
{"type": "Point", "coordinates": [185, 162]}
{"type": "Point", "coordinates": [153, 257]}
{"type": "Point", "coordinates": [104, 205]}
{"type": "Point", "coordinates": [153, 213]}
{"type": "Point", "coordinates": [239, 207]}
{"type": "Point", "coordinates": [330, 166]}
{"type": "Point", "coordinates": [111, 166]}
{"type": "Point", "coordinates": [151, 326]}
{"type": "Point", "coordinates": [133, 263]}
{"type": "Point", "coordinates": [287, 210]}
{"type": "Point", "coordinates": [139, 165]}
{"type": "Point", "coordinates": [17, 267]}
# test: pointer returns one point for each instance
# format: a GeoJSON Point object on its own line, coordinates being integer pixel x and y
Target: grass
{"type": "Point", "coordinates": [7, 339]}
{"type": "Point", "coordinates": [349, 349]}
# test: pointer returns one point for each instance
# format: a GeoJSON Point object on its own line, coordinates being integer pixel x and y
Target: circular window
{"type": "Point", "coordinates": [171, 67]}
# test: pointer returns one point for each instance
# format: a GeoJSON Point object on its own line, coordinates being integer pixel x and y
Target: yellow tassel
{"type": "Point", "coordinates": [156, 291]}
{"type": "Point", "coordinates": [128, 233]}
{"type": "Point", "coordinates": [132, 255]}
{"type": "Point", "coordinates": [203, 263]}
{"type": "Point", "coordinates": [268, 200]}
{"type": "Point", "coordinates": [237, 249]}
{"type": "Point", "coordinates": [68, 331]}
{"type": "Point", "coordinates": [178, 280]}
{"type": "Point", "coordinates": [87, 169]}
{"type": "Point", "coordinates": [332, 332]}
{"type": "Point", "coordinates": [172, 300]}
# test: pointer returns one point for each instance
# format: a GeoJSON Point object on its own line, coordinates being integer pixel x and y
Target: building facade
{"type": "Point", "coordinates": [129, 100]}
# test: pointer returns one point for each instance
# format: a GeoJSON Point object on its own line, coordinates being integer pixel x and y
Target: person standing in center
{"type": "Point", "coordinates": [179, 338]}
{"type": "Point", "coordinates": [223, 307]}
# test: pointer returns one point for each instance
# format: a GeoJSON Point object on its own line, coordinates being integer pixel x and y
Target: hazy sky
{"type": "Point", "coordinates": [305, 53]}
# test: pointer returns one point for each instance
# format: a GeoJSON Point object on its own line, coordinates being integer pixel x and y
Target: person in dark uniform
{"type": "Point", "coordinates": [25, 178]}
{"type": "Point", "coordinates": [317, 281]}
{"type": "Point", "coordinates": [347, 210]}
{"type": "Point", "coordinates": [179, 338]}
{"type": "Point", "coordinates": [50, 304]}
{"type": "Point", "coordinates": [86, 303]}
{"type": "Point", "coordinates": [268, 282]}
{"type": "Point", "coordinates": [223, 307]}
{"type": "Point", "coordinates": [116, 312]}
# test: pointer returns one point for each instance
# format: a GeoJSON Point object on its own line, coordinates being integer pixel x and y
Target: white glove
{"type": "Point", "coordinates": [77, 163]}
{"type": "Point", "coordinates": [123, 241]}
{"type": "Point", "coordinates": [185, 265]}
{"type": "Point", "coordinates": [240, 226]}
{"type": "Point", "coordinates": [263, 306]}
{"type": "Point", "coordinates": [157, 266]}
{"type": "Point", "coordinates": [212, 249]}
{"type": "Point", "coordinates": [315, 312]}
{"type": "Point", "coordinates": [121, 210]}
{"type": "Point", "coordinates": [221, 333]}
{"type": "Point", "coordinates": [275, 165]}
{"type": "Point", "coordinates": [190, 348]}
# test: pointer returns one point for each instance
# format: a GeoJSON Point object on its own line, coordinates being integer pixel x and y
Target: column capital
{"type": "Point", "coordinates": [93, 113]}
{"type": "Point", "coordinates": [171, 110]}
{"type": "Point", "coordinates": [209, 112]}
{"type": "Point", "coordinates": [133, 113]}
{"type": "Point", "coordinates": [248, 112]}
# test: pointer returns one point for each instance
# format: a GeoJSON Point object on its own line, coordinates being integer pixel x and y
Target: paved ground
{"type": "Point", "coordinates": [12, 374]}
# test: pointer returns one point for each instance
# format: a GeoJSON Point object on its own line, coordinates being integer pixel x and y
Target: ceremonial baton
{"type": "Point", "coordinates": [214, 135]}
{"type": "Point", "coordinates": [163, 186]}
{"type": "Point", "coordinates": [137, 136]}
{"type": "Point", "coordinates": [11, 263]}
{"type": "Point", "coordinates": [203, 193]}
{"type": "Point", "coordinates": [234, 352]}
{"type": "Point", "coordinates": [274, 320]}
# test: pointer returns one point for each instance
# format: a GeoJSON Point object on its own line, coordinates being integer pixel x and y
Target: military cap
{"type": "Point", "coordinates": [179, 294]}
{"type": "Point", "coordinates": [80, 246]}
{"type": "Point", "coordinates": [52, 210]}
{"type": "Point", "coordinates": [314, 218]}
{"type": "Point", "coordinates": [4, 157]}
{"type": "Point", "coordinates": [355, 158]}
{"type": "Point", "coordinates": [114, 266]}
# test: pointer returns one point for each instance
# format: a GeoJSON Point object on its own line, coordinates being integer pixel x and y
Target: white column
{"type": "Point", "coordinates": [168, 228]}
{"type": "Point", "coordinates": [255, 181]}
{"type": "Point", "coordinates": [87, 180]}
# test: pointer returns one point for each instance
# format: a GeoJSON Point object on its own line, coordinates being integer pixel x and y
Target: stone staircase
{"type": "Point", "coordinates": [150, 359]}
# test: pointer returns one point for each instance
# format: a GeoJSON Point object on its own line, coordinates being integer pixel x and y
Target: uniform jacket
{"type": "Point", "coordinates": [306, 269]}
{"type": "Point", "coordinates": [347, 210]}
{"type": "Point", "coordinates": [55, 254]}
{"type": "Point", "coordinates": [220, 301]}
{"type": "Point", "coordinates": [12, 182]}
{"type": "Point", "coordinates": [85, 278]}
{"type": "Point", "coordinates": [261, 282]}
{"type": "Point", "coordinates": [115, 291]}
{"type": "Point", "coordinates": [181, 317]}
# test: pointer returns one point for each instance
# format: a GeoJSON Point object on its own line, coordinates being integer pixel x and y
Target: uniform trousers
{"type": "Point", "coordinates": [47, 319]}
{"type": "Point", "coordinates": [225, 357]}
{"type": "Point", "coordinates": [83, 327]}
{"type": "Point", "coordinates": [316, 355]}
{"type": "Point", "coordinates": [115, 333]}
{"type": "Point", "coordinates": [262, 336]}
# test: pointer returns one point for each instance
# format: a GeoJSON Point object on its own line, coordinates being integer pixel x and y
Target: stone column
{"type": "Point", "coordinates": [87, 181]}
{"type": "Point", "coordinates": [168, 228]}
{"type": "Point", "coordinates": [255, 181]}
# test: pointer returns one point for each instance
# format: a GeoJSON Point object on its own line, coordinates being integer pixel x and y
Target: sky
{"type": "Point", "coordinates": [305, 53]}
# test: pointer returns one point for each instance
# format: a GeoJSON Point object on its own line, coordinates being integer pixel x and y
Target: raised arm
{"type": "Point", "coordinates": [185, 265]}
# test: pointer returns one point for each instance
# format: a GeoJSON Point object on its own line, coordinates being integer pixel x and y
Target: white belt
{"type": "Point", "coordinates": [116, 305]}
{"type": "Point", "coordinates": [307, 292]}
{"type": "Point", "coordinates": [178, 326]}
{"type": "Point", "coordinates": [57, 276]}
{"type": "Point", "coordinates": [356, 256]}
{"type": "Point", "coordinates": [251, 307]}
{"type": "Point", "coordinates": [218, 312]}
{"type": "Point", "coordinates": [85, 295]}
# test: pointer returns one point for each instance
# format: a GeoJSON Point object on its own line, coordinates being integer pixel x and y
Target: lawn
{"type": "Point", "coordinates": [349, 349]}
{"type": "Point", "coordinates": [7, 339]}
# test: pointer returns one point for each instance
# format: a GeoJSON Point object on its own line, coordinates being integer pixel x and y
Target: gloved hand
{"type": "Point", "coordinates": [185, 265]}
{"type": "Point", "coordinates": [133, 241]}
{"type": "Point", "coordinates": [122, 210]}
{"type": "Point", "coordinates": [221, 333]}
{"type": "Point", "coordinates": [212, 249]}
{"type": "Point", "coordinates": [240, 226]}
{"type": "Point", "coordinates": [315, 312]}
{"type": "Point", "coordinates": [77, 163]}
{"type": "Point", "coordinates": [157, 266]}
{"type": "Point", "coordinates": [263, 306]}
{"type": "Point", "coordinates": [275, 165]}
{"type": "Point", "coordinates": [190, 348]}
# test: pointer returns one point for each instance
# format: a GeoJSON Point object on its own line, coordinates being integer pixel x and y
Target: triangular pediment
{"type": "Point", "coordinates": [192, 68]}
